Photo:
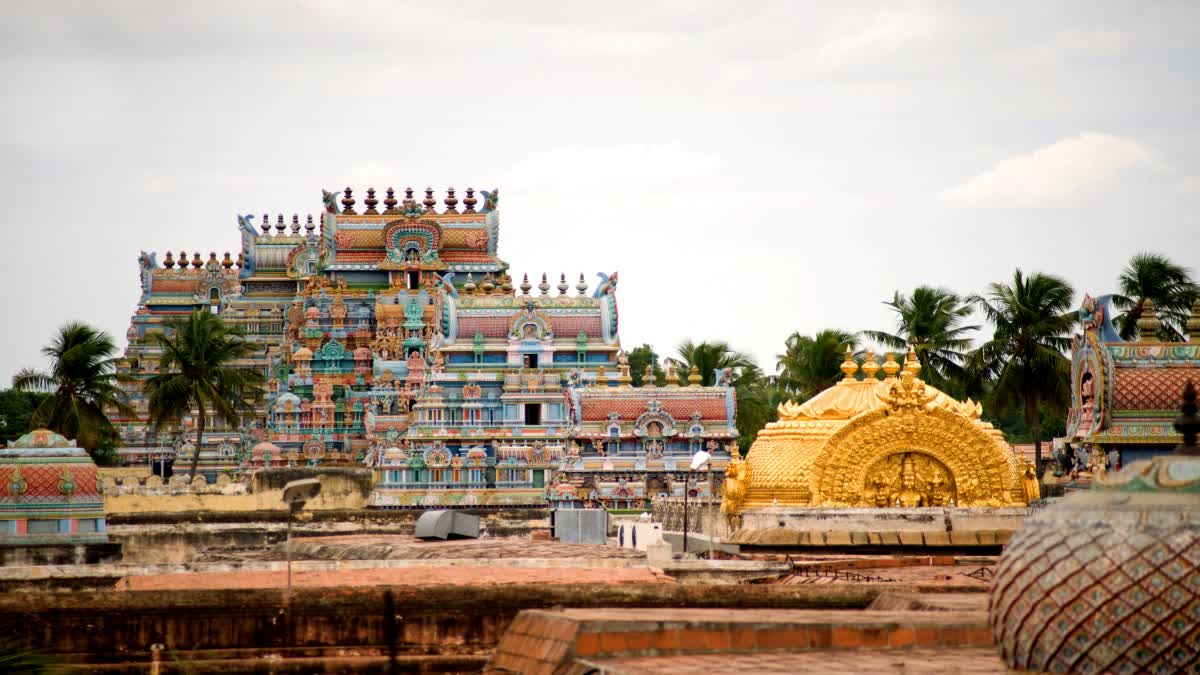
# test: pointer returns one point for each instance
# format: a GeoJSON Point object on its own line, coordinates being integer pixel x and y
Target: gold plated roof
{"type": "Point", "coordinates": [873, 442]}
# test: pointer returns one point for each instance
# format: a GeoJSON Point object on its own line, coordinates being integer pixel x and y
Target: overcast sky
{"type": "Point", "coordinates": [751, 169]}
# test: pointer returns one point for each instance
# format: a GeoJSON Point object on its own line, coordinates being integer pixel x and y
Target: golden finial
{"type": "Point", "coordinates": [869, 367]}
{"type": "Point", "coordinates": [911, 363]}
{"type": "Point", "coordinates": [890, 367]}
{"type": "Point", "coordinates": [849, 367]}
{"type": "Point", "coordinates": [1148, 323]}
{"type": "Point", "coordinates": [1193, 324]}
{"type": "Point", "coordinates": [694, 378]}
{"type": "Point", "coordinates": [648, 376]}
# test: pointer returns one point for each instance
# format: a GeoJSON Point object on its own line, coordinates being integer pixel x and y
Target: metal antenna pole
{"type": "Point", "coordinates": [686, 486]}
{"type": "Point", "coordinates": [288, 547]}
{"type": "Point", "coordinates": [712, 516]}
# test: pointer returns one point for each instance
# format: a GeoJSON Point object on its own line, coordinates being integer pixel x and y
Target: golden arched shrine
{"type": "Point", "coordinates": [890, 442]}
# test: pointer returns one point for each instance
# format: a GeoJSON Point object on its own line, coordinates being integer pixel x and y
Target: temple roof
{"type": "Point", "coordinates": [831, 449]}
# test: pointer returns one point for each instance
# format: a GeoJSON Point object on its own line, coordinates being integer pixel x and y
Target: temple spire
{"type": "Point", "coordinates": [1148, 324]}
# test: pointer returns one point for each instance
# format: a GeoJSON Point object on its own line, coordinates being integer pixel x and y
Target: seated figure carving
{"type": "Point", "coordinates": [908, 495]}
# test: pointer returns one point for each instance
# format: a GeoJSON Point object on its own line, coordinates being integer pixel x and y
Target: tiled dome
{"type": "Point", "coordinates": [1107, 580]}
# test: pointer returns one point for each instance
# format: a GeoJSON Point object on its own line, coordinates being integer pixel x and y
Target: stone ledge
{"type": "Point", "coordinates": [787, 537]}
{"type": "Point", "coordinates": [548, 641]}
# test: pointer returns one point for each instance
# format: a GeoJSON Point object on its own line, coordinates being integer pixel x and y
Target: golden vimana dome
{"type": "Point", "coordinates": [873, 442]}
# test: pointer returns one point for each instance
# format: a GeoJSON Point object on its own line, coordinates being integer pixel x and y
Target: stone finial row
{"type": "Point", "coordinates": [281, 227]}
{"type": "Point", "coordinates": [227, 262]}
{"type": "Point", "coordinates": [410, 204]}
{"type": "Point", "coordinates": [563, 286]}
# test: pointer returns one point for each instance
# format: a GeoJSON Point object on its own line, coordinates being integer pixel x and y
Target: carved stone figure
{"type": "Point", "coordinates": [908, 495]}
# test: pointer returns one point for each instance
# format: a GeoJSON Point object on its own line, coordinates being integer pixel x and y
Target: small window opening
{"type": "Point", "coordinates": [533, 413]}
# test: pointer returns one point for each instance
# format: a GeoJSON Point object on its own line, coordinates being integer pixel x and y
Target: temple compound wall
{"type": "Point", "coordinates": [392, 337]}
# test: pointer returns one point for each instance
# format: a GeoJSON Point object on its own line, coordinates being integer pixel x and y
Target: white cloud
{"type": "Point", "coordinates": [634, 166]}
{"type": "Point", "coordinates": [1054, 174]}
{"type": "Point", "coordinates": [1188, 185]}
{"type": "Point", "coordinates": [882, 32]}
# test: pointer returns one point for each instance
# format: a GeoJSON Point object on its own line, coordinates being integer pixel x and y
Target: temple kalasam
{"type": "Point", "coordinates": [870, 442]}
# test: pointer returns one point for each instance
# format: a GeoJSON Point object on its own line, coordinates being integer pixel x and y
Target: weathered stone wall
{"type": "Point", "coordinates": [133, 492]}
{"type": "Point", "coordinates": [819, 526]}
{"type": "Point", "coordinates": [341, 488]}
{"type": "Point", "coordinates": [110, 626]}
{"type": "Point", "coordinates": [177, 537]}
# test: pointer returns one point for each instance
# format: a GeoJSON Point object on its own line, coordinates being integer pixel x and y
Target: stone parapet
{"type": "Point", "coordinates": [574, 640]}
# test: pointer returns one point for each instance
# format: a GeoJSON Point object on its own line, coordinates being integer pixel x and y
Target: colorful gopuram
{"type": "Point", "coordinates": [392, 336]}
{"type": "Point", "coordinates": [632, 444]}
{"type": "Point", "coordinates": [49, 495]}
{"type": "Point", "coordinates": [1124, 394]}
{"type": "Point", "coordinates": [870, 442]}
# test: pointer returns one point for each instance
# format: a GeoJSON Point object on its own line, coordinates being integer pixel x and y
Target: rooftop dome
{"type": "Point", "coordinates": [1105, 580]}
{"type": "Point", "coordinates": [287, 402]}
{"type": "Point", "coordinates": [302, 354]}
{"type": "Point", "coordinates": [42, 438]}
{"type": "Point", "coordinates": [263, 448]}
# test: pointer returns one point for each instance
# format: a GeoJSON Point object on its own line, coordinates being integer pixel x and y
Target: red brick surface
{"type": "Point", "coordinates": [968, 660]}
{"type": "Point", "coordinates": [396, 576]}
{"type": "Point", "coordinates": [617, 634]}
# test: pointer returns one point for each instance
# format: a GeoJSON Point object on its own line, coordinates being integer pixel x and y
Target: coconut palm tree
{"type": "Point", "coordinates": [931, 320]}
{"type": "Point", "coordinates": [708, 357]}
{"type": "Point", "coordinates": [758, 395]}
{"type": "Point", "coordinates": [196, 373]}
{"type": "Point", "coordinates": [1024, 360]}
{"type": "Point", "coordinates": [754, 391]}
{"type": "Point", "coordinates": [82, 383]}
{"type": "Point", "coordinates": [1154, 277]}
{"type": "Point", "coordinates": [812, 363]}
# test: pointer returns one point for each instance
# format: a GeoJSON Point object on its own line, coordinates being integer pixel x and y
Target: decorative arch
{"type": "Point", "coordinates": [1090, 358]}
{"type": "Point", "coordinates": [542, 328]}
{"type": "Point", "coordinates": [980, 465]}
{"type": "Point", "coordinates": [304, 261]}
{"type": "Point", "coordinates": [655, 415]}
{"type": "Point", "coordinates": [400, 237]}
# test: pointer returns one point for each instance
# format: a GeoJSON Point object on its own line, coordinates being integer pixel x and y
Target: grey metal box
{"type": "Point", "coordinates": [581, 526]}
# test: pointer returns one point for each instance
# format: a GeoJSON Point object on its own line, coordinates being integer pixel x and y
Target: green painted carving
{"type": "Point", "coordinates": [332, 351]}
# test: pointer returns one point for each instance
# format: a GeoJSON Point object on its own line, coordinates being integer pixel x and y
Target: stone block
{"type": "Point", "coordinates": [658, 554]}
{"type": "Point", "coordinates": [936, 538]}
{"type": "Point", "coordinates": [911, 539]}
{"type": "Point", "coordinates": [837, 538]}
{"type": "Point", "coordinates": [859, 538]}
{"type": "Point", "coordinates": [890, 538]}
{"type": "Point", "coordinates": [875, 538]}
{"type": "Point", "coordinates": [988, 537]}
{"type": "Point", "coordinates": [964, 538]}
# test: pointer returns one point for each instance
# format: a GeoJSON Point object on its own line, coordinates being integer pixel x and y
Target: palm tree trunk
{"type": "Point", "coordinates": [1034, 421]}
{"type": "Point", "coordinates": [199, 439]}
